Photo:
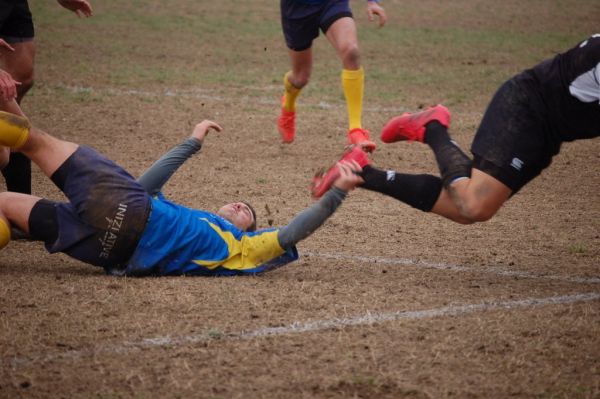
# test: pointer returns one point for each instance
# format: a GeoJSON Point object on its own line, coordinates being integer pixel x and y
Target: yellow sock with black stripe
{"type": "Point", "coordinates": [290, 94]}
{"type": "Point", "coordinates": [4, 233]}
{"type": "Point", "coordinates": [14, 130]}
{"type": "Point", "coordinates": [353, 84]}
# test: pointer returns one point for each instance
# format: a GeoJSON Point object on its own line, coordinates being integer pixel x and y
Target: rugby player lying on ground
{"type": "Point", "coordinates": [128, 228]}
{"type": "Point", "coordinates": [524, 126]}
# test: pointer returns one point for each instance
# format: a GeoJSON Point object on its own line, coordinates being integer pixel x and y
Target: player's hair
{"type": "Point", "coordinates": [252, 227]}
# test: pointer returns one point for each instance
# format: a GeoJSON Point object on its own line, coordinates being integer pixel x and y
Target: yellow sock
{"type": "Point", "coordinates": [353, 84]}
{"type": "Point", "coordinates": [4, 233]}
{"type": "Point", "coordinates": [290, 94]}
{"type": "Point", "coordinates": [14, 130]}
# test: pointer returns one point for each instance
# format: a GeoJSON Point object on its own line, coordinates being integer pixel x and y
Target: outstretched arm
{"type": "Point", "coordinates": [155, 177]}
{"type": "Point", "coordinates": [309, 220]}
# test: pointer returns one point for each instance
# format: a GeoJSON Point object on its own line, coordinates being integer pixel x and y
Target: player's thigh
{"type": "Point", "coordinates": [342, 35]}
{"type": "Point", "coordinates": [19, 63]}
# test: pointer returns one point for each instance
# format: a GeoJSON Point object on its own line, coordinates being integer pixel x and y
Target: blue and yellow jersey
{"type": "Point", "coordinates": [183, 241]}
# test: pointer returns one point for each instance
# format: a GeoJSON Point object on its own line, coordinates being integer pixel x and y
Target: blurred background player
{"type": "Point", "coordinates": [128, 228]}
{"type": "Point", "coordinates": [523, 128]}
{"type": "Point", "coordinates": [17, 54]}
{"type": "Point", "coordinates": [301, 21]}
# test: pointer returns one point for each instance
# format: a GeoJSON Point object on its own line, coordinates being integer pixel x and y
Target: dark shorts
{"type": "Point", "coordinates": [104, 218]}
{"type": "Point", "coordinates": [301, 22]}
{"type": "Point", "coordinates": [511, 143]}
{"type": "Point", "coordinates": [16, 24]}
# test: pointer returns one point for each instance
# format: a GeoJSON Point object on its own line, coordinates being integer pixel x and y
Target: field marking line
{"type": "Point", "coordinates": [448, 266]}
{"type": "Point", "coordinates": [206, 94]}
{"type": "Point", "coordinates": [299, 327]}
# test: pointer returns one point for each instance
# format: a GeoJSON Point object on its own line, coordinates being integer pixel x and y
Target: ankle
{"type": "Point", "coordinates": [435, 132]}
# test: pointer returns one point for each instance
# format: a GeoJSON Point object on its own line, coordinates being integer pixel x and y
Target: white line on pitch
{"type": "Point", "coordinates": [309, 326]}
{"type": "Point", "coordinates": [208, 95]}
{"type": "Point", "coordinates": [447, 266]}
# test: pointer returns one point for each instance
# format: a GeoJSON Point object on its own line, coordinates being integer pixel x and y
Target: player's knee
{"type": "Point", "coordinates": [351, 56]}
{"type": "Point", "coordinates": [301, 80]}
{"type": "Point", "coordinates": [476, 212]}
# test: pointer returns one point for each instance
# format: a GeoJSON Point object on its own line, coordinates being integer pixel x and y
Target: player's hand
{"type": "Point", "coordinates": [80, 7]}
{"type": "Point", "coordinates": [349, 177]}
{"type": "Point", "coordinates": [202, 128]}
{"type": "Point", "coordinates": [8, 86]}
{"type": "Point", "coordinates": [5, 45]}
{"type": "Point", "coordinates": [375, 9]}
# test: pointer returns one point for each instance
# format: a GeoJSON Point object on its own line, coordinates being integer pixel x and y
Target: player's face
{"type": "Point", "coordinates": [237, 213]}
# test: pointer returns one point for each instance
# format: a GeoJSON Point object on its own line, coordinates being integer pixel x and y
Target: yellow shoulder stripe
{"type": "Point", "coordinates": [247, 253]}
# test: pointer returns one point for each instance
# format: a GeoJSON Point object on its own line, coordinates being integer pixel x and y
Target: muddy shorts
{"type": "Point", "coordinates": [104, 218]}
{"type": "Point", "coordinates": [16, 24]}
{"type": "Point", "coordinates": [511, 143]}
{"type": "Point", "coordinates": [301, 21]}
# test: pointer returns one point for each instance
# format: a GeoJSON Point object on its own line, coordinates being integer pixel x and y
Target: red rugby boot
{"type": "Point", "coordinates": [286, 124]}
{"type": "Point", "coordinates": [360, 137]}
{"type": "Point", "coordinates": [412, 126]}
{"type": "Point", "coordinates": [322, 182]}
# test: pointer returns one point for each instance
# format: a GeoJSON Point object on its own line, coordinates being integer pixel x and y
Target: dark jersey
{"type": "Point", "coordinates": [569, 91]}
{"type": "Point", "coordinates": [534, 112]}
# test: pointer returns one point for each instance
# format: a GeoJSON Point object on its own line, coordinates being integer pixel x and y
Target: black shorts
{"type": "Point", "coordinates": [104, 218]}
{"type": "Point", "coordinates": [512, 143]}
{"type": "Point", "coordinates": [16, 23]}
{"type": "Point", "coordinates": [301, 22]}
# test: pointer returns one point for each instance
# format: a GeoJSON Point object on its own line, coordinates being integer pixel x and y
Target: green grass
{"type": "Point", "coordinates": [190, 43]}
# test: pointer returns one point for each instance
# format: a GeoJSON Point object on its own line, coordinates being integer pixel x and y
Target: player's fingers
{"type": "Point", "coordinates": [215, 126]}
{"type": "Point", "coordinates": [343, 168]}
{"type": "Point", "coordinates": [355, 166]}
{"type": "Point", "coordinates": [381, 15]}
{"type": "Point", "coordinates": [6, 45]}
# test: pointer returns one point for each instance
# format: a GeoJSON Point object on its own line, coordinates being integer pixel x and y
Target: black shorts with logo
{"type": "Point", "coordinates": [16, 23]}
{"type": "Point", "coordinates": [104, 218]}
{"type": "Point", "coordinates": [512, 142]}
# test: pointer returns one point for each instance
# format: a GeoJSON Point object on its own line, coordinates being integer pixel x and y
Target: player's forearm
{"type": "Point", "coordinates": [161, 171]}
{"type": "Point", "coordinates": [306, 222]}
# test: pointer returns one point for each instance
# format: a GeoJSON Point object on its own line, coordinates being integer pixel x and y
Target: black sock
{"type": "Point", "coordinates": [418, 191]}
{"type": "Point", "coordinates": [453, 163]}
{"type": "Point", "coordinates": [18, 174]}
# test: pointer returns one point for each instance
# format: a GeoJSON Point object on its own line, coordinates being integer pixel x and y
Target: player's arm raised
{"type": "Point", "coordinates": [157, 175]}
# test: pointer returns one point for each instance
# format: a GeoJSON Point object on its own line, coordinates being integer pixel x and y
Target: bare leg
{"type": "Point", "coordinates": [16, 208]}
{"type": "Point", "coordinates": [472, 200]}
{"type": "Point", "coordinates": [48, 152]}
{"type": "Point", "coordinates": [301, 62]}
{"type": "Point", "coordinates": [20, 66]}
{"type": "Point", "coordinates": [342, 36]}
